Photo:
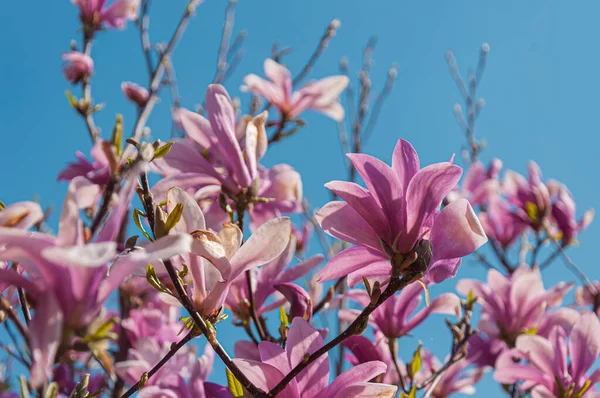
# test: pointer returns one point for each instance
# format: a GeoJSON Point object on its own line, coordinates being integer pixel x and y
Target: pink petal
{"type": "Point", "coordinates": [277, 73]}
{"type": "Point", "coordinates": [540, 351]}
{"type": "Point", "coordinates": [231, 237]}
{"type": "Point", "coordinates": [456, 231]}
{"type": "Point", "coordinates": [425, 193]}
{"type": "Point", "coordinates": [195, 126]}
{"type": "Point", "coordinates": [299, 299]}
{"type": "Point", "coordinates": [405, 163]}
{"type": "Point", "coordinates": [442, 270]}
{"type": "Point", "coordinates": [363, 202]}
{"type": "Point", "coordinates": [349, 260]}
{"type": "Point", "coordinates": [22, 215]}
{"type": "Point", "coordinates": [304, 339]}
{"type": "Point", "coordinates": [584, 344]}
{"type": "Point", "coordinates": [272, 354]}
{"type": "Point", "coordinates": [222, 119]}
{"type": "Point", "coordinates": [299, 270]}
{"type": "Point", "coordinates": [357, 374]}
{"type": "Point", "coordinates": [383, 184]}
{"type": "Point", "coordinates": [265, 377]}
{"type": "Point", "coordinates": [368, 390]}
{"type": "Point", "coordinates": [90, 255]}
{"type": "Point", "coordinates": [341, 221]}
{"type": "Point", "coordinates": [45, 333]}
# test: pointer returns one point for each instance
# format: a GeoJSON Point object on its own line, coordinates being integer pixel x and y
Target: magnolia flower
{"type": "Point", "coordinates": [530, 196]}
{"type": "Point", "coordinates": [152, 323]}
{"type": "Point", "coordinates": [513, 306]}
{"type": "Point", "coordinates": [77, 65]}
{"type": "Point", "coordinates": [321, 95]}
{"type": "Point", "coordinates": [98, 171]}
{"type": "Point", "coordinates": [398, 214]}
{"type": "Point", "coordinates": [96, 15]}
{"type": "Point", "coordinates": [270, 278]}
{"type": "Point", "coordinates": [392, 317]}
{"type": "Point", "coordinates": [224, 251]}
{"type": "Point", "coordinates": [479, 184]}
{"type": "Point", "coordinates": [135, 93]}
{"type": "Point", "coordinates": [21, 215]}
{"type": "Point", "coordinates": [563, 214]}
{"type": "Point", "coordinates": [313, 381]}
{"type": "Point", "coordinates": [500, 223]}
{"type": "Point", "coordinates": [583, 296]}
{"type": "Point", "coordinates": [553, 366]}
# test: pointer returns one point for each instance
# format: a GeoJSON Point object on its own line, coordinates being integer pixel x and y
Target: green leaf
{"type": "Point", "coordinates": [367, 285]}
{"type": "Point", "coordinates": [584, 389]}
{"type": "Point", "coordinates": [2, 205]}
{"type": "Point", "coordinates": [283, 318]}
{"type": "Point", "coordinates": [415, 363]}
{"type": "Point", "coordinates": [413, 392]}
{"type": "Point", "coordinates": [81, 389]}
{"type": "Point", "coordinates": [235, 387]}
{"type": "Point", "coordinates": [154, 281]}
{"type": "Point", "coordinates": [101, 333]}
{"type": "Point", "coordinates": [137, 214]}
{"type": "Point", "coordinates": [52, 390]}
{"type": "Point", "coordinates": [470, 297]}
{"type": "Point", "coordinates": [163, 150]}
{"type": "Point", "coordinates": [72, 99]}
{"type": "Point", "coordinates": [24, 388]}
{"type": "Point", "coordinates": [174, 217]}
{"type": "Point", "coordinates": [117, 135]}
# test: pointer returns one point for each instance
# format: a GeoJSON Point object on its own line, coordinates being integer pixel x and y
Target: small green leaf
{"type": "Point", "coordinates": [72, 99]}
{"type": "Point", "coordinates": [144, 379]}
{"type": "Point", "coordinates": [52, 390]}
{"type": "Point", "coordinates": [24, 388]}
{"type": "Point", "coordinates": [584, 389]}
{"type": "Point", "coordinates": [81, 389]}
{"type": "Point", "coordinates": [174, 217]}
{"type": "Point", "coordinates": [235, 387]}
{"type": "Point", "coordinates": [2, 205]}
{"type": "Point", "coordinates": [470, 297]}
{"type": "Point", "coordinates": [154, 281]}
{"type": "Point", "coordinates": [101, 333]}
{"type": "Point", "coordinates": [532, 211]}
{"type": "Point", "coordinates": [367, 285]}
{"type": "Point", "coordinates": [415, 363]}
{"type": "Point", "coordinates": [117, 135]}
{"type": "Point", "coordinates": [283, 318]}
{"type": "Point", "coordinates": [413, 392]}
{"type": "Point", "coordinates": [163, 150]}
{"type": "Point", "coordinates": [137, 214]}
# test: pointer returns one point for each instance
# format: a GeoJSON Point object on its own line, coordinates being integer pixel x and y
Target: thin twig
{"type": "Point", "coordinates": [222, 64]}
{"type": "Point", "coordinates": [354, 328]}
{"type": "Point", "coordinates": [329, 33]}
{"type": "Point", "coordinates": [379, 101]}
{"type": "Point", "coordinates": [174, 348]}
{"type": "Point", "coordinates": [14, 317]}
{"type": "Point", "coordinates": [575, 269]}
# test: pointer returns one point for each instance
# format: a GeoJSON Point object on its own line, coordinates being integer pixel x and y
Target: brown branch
{"type": "Point", "coordinates": [174, 348]}
{"type": "Point", "coordinates": [329, 33]}
{"type": "Point", "coordinates": [185, 300]}
{"type": "Point", "coordinates": [356, 327]}
{"type": "Point", "coordinates": [157, 74]}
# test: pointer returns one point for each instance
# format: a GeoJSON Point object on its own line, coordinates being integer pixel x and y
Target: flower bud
{"type": "Point", "coordinates": [135, 93]}
{"type": "Point", "coordinates": [76, 66]}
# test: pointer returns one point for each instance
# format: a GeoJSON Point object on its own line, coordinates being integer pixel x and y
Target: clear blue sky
{"type": "Point", "coordinates": [541, 86]}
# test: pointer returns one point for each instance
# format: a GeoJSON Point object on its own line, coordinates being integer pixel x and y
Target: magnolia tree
{"type": "Point", "coordinates": [212, 242]}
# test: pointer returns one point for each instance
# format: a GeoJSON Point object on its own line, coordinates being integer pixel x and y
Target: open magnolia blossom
{"type": "Point", "coordinates": [312, 382]}
{"type": "Point", "coordinates": [96, 14]}
{"type": "Point", "coordinates": [557, 365]}
{"type": "Point", "coordinates": [321, 95]}
{"type": "Point", "coordinates": [398, 214]}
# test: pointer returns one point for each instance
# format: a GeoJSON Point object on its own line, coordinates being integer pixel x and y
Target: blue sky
{"type": "Point", "coordinates": [540, 85]}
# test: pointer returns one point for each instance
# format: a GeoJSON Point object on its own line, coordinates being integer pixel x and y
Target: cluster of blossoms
{"type": "Point", "coordinates": [99, 308]}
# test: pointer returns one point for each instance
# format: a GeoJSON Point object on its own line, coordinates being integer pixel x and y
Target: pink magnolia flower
{"type": "Point", "coordinates": [515, 305]}
{"type": "Point", "coordinates": [73, 269]}
{"type": "Point", "coordinates": [152, 323]}
{"type": "Point", "coordinates": [321, 95]}
{"type": "Point", "coordinates": [394, 318]}
{"type": "Point", "coordinates": [95, 13]}
{"type": "Point", "coordinates": [399, 214]}
{"type": "Point", "coordinates": [98, 171]}
{"type": "Point", "coordinates": [77, 65]}
{"type": "Point", "coordinates": [501, 224]}
{"type": "Point", "coordinates": [270, 278]}
{"type": "Point", "coordinates": [224, 251]}
{"type": "Point", "coordinates": [584, 297]}
{"type": "Point", "coordinates": [135, 93]}
{"type": "Point", "coordinates": [479, 184]}
{"type": "Point", "coordinates": [563, 214]}
{"type": "Point", "coordinates": [458, 379]}
{"type": "Point", "coordinates": [553, 366]}
{"type": "Point", "coordinates": [363, 350]}
{"type": "Point", "coordinates": [275, 362]}
{"type": "Point", "coordinates": [530, 197]}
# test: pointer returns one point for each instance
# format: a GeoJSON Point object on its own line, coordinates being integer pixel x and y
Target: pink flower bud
{"type": "Point", "coordinates": [135, 93]}
{"type": "Point", "coordinates": [77, 65]}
